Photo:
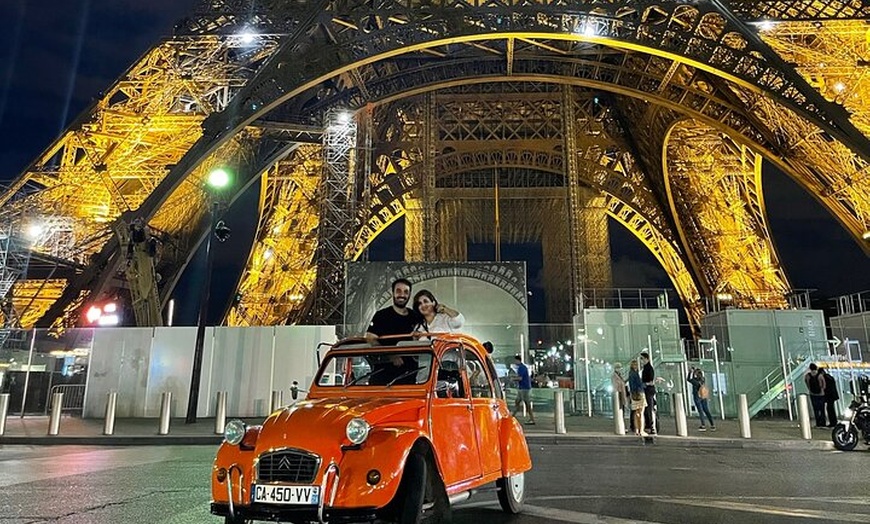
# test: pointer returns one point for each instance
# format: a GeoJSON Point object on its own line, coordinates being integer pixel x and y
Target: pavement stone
{"type": "Point", "coordinates": [766, 434]}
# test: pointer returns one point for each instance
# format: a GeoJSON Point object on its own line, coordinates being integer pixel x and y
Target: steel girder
{"type": "Point", "coordinates": [691, 33]}
{"type": "Point", "coordinates": [280, 272]}
{"type": "Point", "coordinates": [116, 152]}
{"type": "Point", "coordinates": [714, 191]}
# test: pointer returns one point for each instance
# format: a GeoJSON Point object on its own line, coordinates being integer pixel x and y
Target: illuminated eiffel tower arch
{"type": "Point", "coordinates": [351, 115]}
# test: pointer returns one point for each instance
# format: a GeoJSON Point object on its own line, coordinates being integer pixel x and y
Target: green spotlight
{"type": "Point", "coordinates": [218, 178]}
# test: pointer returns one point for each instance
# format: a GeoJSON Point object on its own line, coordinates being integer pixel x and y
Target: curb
{"type": "Point", "coordinates": [113, 440]}
{"type": "Point", "coordinates": [683, 442]}
{"type": "Point", "coordinates": [531, 438]}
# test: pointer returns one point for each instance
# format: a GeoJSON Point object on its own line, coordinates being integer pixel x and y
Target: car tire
{"type": "Point", "coordinates": [844, 440]}
{"type": "Point", "coordinates": [511, 492]}
{"type": "Point", "coordinates": [235, 520]}
{"type": "Point", "coordinates": [413, 490]}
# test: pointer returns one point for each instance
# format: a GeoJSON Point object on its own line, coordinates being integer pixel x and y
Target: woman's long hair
{"type": "Point", "coordinates": [416, 305]}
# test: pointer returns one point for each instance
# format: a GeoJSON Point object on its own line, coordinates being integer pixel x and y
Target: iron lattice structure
{"type": "Point", "coordinates": [548, 119]}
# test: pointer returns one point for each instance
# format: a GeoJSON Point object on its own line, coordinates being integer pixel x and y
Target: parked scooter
{"type": "Point", "coordinates": [855, 419]}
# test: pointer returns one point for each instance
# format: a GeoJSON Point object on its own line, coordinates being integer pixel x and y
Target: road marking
{"type": "Point", "coordinates": [561, 515]}
{"type": "Point", "coordinates": [20, 471]}
{"type": "Point", "coordinates": [577, 517]}
{"type": "Point", "coordinates": [772, 510]}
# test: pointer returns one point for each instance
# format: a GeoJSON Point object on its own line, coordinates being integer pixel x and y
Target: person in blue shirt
{"type": "Point", "coordinates": [524, 389]}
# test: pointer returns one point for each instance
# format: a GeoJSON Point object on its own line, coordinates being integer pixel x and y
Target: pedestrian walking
{"type": "Point", "coordinates": [831, 397]}
{"type": "Point", "coordinates": [524, 390]}
{"type": "Point", "coordinates": [701, 395]}
{"type": "Point", "coordinates": [816, 386]}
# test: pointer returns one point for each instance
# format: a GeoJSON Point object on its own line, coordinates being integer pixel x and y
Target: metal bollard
{"type": "Point", "coordinates": [680, 415]}
{"type": "Point", "coordinates": [559, 411]}
{"type": "Point", "coordinates": [618, 420]}
{"type": "Point", "coordinates": [743, 407]}
{"type": "Point", "coordinates": [4, 408]}
{"type": "Point", "coordinates": [804, 418]}
{"type": "Point", "coordinates": [276, 401]}
{"type": "Point", "coordinates": [56, 410]}
{"type": "Point", "coordinates": [220, 416]}
{"type": "Point", "coordinates": [165, 409]}
{"type": "Point", "coordinates": [111, 402]}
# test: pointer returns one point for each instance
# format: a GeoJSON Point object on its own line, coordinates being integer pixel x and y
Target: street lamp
{"type": "Point", "coordinates": [217, 179]}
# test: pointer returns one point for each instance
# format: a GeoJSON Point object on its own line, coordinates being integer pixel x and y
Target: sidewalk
{"type": "Point", "coordinates": [766, 434]}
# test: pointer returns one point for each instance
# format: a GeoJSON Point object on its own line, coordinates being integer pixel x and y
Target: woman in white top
{"type": "Point", "coordinates": [437, 318]}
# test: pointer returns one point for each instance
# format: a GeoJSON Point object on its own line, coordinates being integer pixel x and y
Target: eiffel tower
{"type": "Point", "coordinates": [557, 116]}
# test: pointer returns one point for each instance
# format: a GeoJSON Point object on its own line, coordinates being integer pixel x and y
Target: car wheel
{"type": "Point", "coordinates": [235, 520]}
{"type": "Point", "coordinates": [413, 490]}
{"type": "Point", "coordinates": [844, 440]}
{"type": "Point", "coordinates": [512, 492]}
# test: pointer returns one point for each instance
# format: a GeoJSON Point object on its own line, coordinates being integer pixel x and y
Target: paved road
{"type": "Point", "coordinates": [570, 483]}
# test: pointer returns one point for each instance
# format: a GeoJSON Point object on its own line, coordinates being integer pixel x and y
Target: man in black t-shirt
{"type": "Point", "coordinates": [394, 320]}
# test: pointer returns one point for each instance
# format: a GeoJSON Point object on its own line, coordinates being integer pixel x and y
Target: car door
{"type": "Point", "coordinates": [485, 407]}
{"type": "Point", "coordinates": [452, 422]}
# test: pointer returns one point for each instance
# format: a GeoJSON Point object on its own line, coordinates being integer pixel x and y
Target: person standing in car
{"type": "Point", "coordinates": [396, 319]}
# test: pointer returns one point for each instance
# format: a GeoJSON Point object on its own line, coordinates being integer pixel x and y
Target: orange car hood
{"type": "Point", "coordinates": [319, 425]}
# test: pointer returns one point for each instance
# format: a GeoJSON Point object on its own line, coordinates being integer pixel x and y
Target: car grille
{"type": "Point", "coordinates": [287, 466]}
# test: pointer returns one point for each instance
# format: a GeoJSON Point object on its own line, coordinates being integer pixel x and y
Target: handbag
{"type": "Point", "coordinates": [636, 396]}
{"type": "Point", "coordinates": [703, 391]}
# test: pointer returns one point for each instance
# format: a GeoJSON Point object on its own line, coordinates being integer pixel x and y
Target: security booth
{"type": "Point", "coordinates": [615, 326]}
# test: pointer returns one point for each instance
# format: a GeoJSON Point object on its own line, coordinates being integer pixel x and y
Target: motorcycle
{"type": "Point", "coordinates": [854, 419]}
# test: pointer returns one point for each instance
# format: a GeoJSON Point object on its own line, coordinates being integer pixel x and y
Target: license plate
{"type": "Point", "coordinates": [278, 494]}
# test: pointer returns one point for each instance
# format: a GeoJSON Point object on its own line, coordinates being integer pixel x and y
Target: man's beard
{"type": "Point", "coordinates": [400, 302]}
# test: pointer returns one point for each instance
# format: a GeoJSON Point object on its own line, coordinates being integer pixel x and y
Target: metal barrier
{"type": "Point", "coordinates": [559, 411]}
{"type": "Point", "coordinates": [73, 396]}
{"type": "Point", "coordinates": [220, 416]}
{"type": "Point", "coordinates": [56, 410]}
{"type": "Point", "coordinates": [165, 412]}
{"type": "Point", "coordinates": [4, 408]}
{"type": "Point", "coordinates": [743, 410]}
{"type": "Point", "coordinates": [109, 423]}
{"type": "Point", "coordinates": [680, 412]}
{"type": "Point", "coordinates": [804, 417]}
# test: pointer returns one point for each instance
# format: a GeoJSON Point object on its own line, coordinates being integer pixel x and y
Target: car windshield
{"type": "Point", "coordinates": [381, 369]}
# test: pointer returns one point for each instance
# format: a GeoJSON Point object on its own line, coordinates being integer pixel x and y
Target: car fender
{"type": "Point", "coordinates": [238, 464]}
{"type": "Point", "coordinates": [385, 450]}
{"type": "Point", "coordinates": [515, 456]}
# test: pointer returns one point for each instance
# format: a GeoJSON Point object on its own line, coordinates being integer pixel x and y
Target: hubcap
{"type": "Point", "coordinates": [517, 485]}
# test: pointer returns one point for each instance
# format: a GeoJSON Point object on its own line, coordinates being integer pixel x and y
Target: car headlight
{"type": "Point", "coordinates": [234, 432]}
{"type": "Point", "coordinates": [847, 414]}
{"type": "Point", "coordinates": [357, 430]}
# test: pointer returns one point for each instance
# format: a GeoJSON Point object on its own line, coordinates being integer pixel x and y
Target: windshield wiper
{"type": "Point", "coordinates": [406, 374]}
{"type": "Point", "coordinates": [367, 375]}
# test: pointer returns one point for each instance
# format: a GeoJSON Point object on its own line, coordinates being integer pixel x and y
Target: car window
{"type": "Point", "coordinates": [477, 379]}
{"type": "Point", "coordinates": [375, 369]}
{"type": "Point", "coordinates": [449, 383]}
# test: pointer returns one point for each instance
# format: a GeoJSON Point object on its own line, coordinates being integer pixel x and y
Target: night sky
{"type": "Point", "coordinates": [57, 55]}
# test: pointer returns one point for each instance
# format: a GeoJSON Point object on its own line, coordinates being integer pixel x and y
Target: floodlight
{"type": "Point", "coordinates": [218, 178]}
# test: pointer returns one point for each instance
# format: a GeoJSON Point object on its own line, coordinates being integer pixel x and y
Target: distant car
{"type": "Point", "coordinates": [405, 433]}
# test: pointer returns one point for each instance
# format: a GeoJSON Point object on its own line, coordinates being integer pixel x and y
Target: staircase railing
{"type": "Point", "coordinates": [777, 389]}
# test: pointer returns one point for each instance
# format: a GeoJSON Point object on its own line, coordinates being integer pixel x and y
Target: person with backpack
{"type": "Point", "coordinates": [701, 395]}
